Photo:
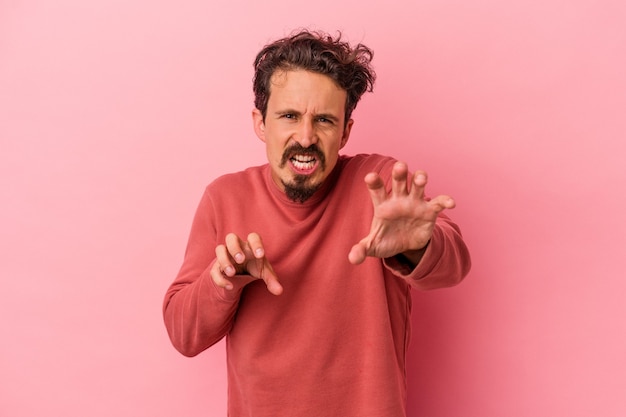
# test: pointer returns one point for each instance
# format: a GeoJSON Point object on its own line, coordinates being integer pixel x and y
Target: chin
{"type": "Point", "coordinates": [300, 188]}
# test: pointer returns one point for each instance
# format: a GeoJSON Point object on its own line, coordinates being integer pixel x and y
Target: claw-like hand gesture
{"type": "Point", "coordinates": [403, 220]}
{"type": "Point", "coordinates": [247, 260]}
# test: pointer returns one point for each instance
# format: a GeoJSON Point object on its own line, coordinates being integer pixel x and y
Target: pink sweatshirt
{"type": "Point", "coordinates": [334, 343]}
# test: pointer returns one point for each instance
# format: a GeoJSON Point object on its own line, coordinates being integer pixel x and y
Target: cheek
{"type": "Point", "coordinates": [274, 148]}
{"type": "Point", "coordinates": [331, 161]}
{"type": "Point", "coordinates": [333, 150]}
{"type": "Point", "coordinates": [275, 157]}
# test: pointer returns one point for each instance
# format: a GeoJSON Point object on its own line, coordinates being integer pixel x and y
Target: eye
{"type": "Point", "coordinates": [324, 120]}
{"type": "Point", "coordinates": [289, 116]}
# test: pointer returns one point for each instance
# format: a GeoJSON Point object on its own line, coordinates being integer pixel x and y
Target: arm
{"type": "Point", "coordinates": [196, 313]}
{"type": "Point", "coordinates": [201, 303]}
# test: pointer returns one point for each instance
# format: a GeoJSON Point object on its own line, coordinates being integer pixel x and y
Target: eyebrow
{"type": "Point", "coordinates": [297, 113]}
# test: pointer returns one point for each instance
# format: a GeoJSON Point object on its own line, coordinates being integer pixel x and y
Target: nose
{"type": "Point", "coordinates": [307, 134]}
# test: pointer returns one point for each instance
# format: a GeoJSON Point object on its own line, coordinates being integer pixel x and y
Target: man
{"type": "Point", "coordinates": [315, 310]}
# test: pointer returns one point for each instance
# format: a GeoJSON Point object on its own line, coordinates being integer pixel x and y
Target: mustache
{"type": "Point", "coordinates": [297, 149]}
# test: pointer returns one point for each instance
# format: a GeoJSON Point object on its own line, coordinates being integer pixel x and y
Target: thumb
{"type": "Point", "coordinates": [358, 253]}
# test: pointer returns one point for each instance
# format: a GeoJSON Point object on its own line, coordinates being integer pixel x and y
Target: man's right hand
{"type": "Point", "coordinates": [239, 258]}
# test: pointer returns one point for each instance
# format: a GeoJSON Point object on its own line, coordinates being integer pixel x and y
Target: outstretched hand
{"type": "Point", "coordinates": [245, 261]}
{"type": "Point", "coordinates": [403, 220]}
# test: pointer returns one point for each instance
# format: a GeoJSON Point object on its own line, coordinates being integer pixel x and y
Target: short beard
{"type": "Point", "coordinates": [298, 190]}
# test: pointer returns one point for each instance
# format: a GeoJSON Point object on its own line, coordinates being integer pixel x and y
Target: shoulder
{"type": "Point", "coordinates": [366, 163]}
{"type": "Point", "coordinates": [236, 180]}
{"type": "Point", "coordinates": [351, 172]}
{"type": "Point", "coordinates": [234, 187]}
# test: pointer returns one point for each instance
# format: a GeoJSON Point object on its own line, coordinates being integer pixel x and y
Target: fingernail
{"type": "Point", "coordinates": [239, 258]}
{"type": "Point", "coordinates": [259, 252]}
{"type": "Point", "coordinates": [229, 270]}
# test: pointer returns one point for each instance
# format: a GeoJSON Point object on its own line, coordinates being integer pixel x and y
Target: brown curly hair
{"type": "Point", "coordinates": [317, 52]}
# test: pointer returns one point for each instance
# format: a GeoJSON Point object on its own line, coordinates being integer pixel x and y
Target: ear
{"type": "Point", "coordinates": [258, 124]}
{"type": "Point", "coordinates": [346, 133]}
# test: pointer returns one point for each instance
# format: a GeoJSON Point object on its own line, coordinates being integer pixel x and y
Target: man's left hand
{"type": "Point", "coordinates": [403, 220]}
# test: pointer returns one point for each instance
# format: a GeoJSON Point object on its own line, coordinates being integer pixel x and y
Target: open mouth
{"type": "Point", "coordinates": [303, 164]}
{"type": "Point", "coordinates": [303, 161]}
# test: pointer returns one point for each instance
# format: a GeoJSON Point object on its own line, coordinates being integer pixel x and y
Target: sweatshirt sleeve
{"type": "Point", "coordinates": [197, 313]}
{"type": "Point", "coordinates": [445, 263]}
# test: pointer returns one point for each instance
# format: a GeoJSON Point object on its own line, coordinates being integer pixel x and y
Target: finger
{"type": "Point", "coordinates": [357, 254]}
{"type": "Point", "coordinates": [234, 246]}
{"type": "Point", "coordinates": [265, 270]}
{"type": "Point", "coordinates": [256, 245]}
{"type": "Point", "coordinates": [271, 280]}
{"type": "Point", "coordinates": [223, 261]}
{"type": "Point", "coordinates": [219, 279]}
{"type": "Point", "coordinates": [419, 184]}
{"type": "Point", "coordinates": [399, 177]}
{"type": "Point", "coordinates": [442, 202]}
{"type": "Point", "coordinates": [376, 187]}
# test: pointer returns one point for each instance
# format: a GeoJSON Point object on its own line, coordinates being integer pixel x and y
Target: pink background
{"type": "Point", "coordinates": [115, 114]}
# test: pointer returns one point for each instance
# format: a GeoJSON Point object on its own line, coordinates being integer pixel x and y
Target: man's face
{"type": "Point", "coordinates": [303, 130]}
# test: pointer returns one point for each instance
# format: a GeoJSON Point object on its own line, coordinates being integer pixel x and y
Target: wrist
{"type": "Point", "coordinates": [412, 257]}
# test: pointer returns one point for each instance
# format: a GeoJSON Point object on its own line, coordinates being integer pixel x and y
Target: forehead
{"type": "Point", "coordinates": [305, 87]}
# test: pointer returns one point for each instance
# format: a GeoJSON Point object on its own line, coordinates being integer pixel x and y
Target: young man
{"type": "Point", "coordinates": [315, 309]}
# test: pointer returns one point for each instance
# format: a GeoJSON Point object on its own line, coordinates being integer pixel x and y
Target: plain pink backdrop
{"type": "Point", "coordinates": [115, 114]}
